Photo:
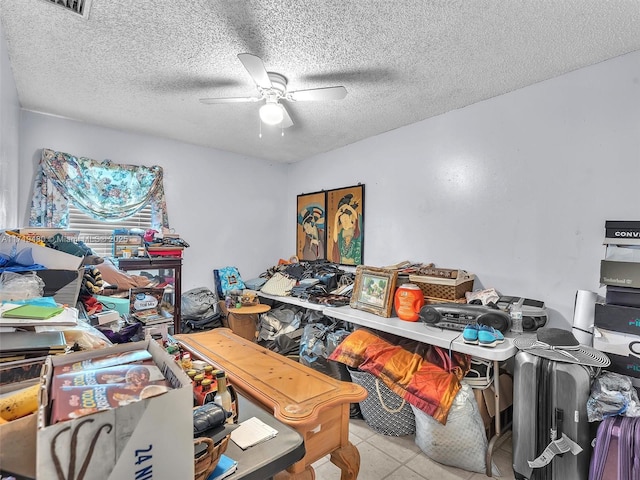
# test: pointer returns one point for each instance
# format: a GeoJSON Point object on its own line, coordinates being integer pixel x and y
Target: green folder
{"type": "Point", "coordinates": [36, 312]}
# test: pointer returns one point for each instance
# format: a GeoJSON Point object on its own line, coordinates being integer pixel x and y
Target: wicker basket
{"type": "Point", "coordinates": [444, 288]}
{"type": "Point", "coordinates": [431, 300]}
{"type": "Point", "coordinates": [206, 463]}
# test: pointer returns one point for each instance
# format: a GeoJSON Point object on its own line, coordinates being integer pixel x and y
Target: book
{"type": "Point", "coordinates": [225, 467]}
{"type": "Point", "coordinates": [251, 432]}
{"type": "Point", "coordinates": [21, 342]}
{"type": "Point", "coordinates": [35, 312]}
{"type": "Point", "coordinates": [68, 317]}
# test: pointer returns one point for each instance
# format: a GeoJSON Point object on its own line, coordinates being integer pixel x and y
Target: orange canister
{"type": "Point", "coordinates": [408, 302]}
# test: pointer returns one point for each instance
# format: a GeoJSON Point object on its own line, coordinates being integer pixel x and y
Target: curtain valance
{"type": "Point", "coordinates": [104, 190]}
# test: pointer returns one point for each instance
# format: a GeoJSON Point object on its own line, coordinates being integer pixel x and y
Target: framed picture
{"type": "Point", "coordinates": [345, 225]}
{"type": "Point", "coordinates": [311, 238]}
{"type": "Point", "coordinates": [373, 290]}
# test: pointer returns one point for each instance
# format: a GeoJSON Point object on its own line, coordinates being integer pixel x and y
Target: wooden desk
{"type": "Point", "coordinates": [314, 404]}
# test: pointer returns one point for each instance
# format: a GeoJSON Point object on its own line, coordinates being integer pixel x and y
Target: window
{"type": "Point", "coordinates": [98, 235]}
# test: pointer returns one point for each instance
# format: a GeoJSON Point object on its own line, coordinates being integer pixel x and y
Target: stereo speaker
{"type": "Point", "coordinates": [498, 320]}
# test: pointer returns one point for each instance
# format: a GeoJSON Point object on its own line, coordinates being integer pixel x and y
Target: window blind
{"type": "Point", "coordinates": [98, 235]}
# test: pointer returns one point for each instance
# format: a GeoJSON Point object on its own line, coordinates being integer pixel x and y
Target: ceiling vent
{"type": "Point", "coordinates": [81, 7]}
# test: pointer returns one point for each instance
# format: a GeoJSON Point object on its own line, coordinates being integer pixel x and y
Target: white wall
{"type": "Point", "coordinates": [9, 121]}
{"type": "Point", "coordinates": [515, 189]}
{"type": "Point", "coordinates": [229, 208]}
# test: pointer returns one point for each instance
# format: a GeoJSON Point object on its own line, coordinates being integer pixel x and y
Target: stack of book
{"type": "Point", "coordinates": [225, 467]}
{"type": "Point", "coordinates": [31, 316]}
{"type": "Point", "coordinates": [25, 345]}
{"type": "Point", "coordinates": [617, 320]}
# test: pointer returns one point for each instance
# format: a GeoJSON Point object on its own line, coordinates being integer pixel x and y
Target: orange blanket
{"type": "Point", "coordinates": [429, 382]}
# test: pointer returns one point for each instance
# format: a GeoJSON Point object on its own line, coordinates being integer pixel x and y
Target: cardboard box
{"type": "Point", "coordinates": [49, 257]}
{"type": "Point", "coordinates": [621, 274]}
{"type": "Point", "coordinates": [485, 398]}
{"type": "Point", "coordinates": [149, 438]}
{"type": "Point", "coordinates": [618, 318]}
{"type": "Point", "coordinates": [18, 438]}
{"type": "Point", "coordinates": [622, 349]}
{"type": "Point", "coordinates": [63, 285]}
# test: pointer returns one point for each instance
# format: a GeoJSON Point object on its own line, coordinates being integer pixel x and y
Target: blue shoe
{"type": "Point", "coordinates": [489, 336]}
{"type": "Point", "coordinates": [470, 334]}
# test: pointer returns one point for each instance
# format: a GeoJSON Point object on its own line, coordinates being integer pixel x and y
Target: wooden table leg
{"type": "Point", "coordinates": [306, 474]}
{"type": "Point", "coordinates": [347, 458]}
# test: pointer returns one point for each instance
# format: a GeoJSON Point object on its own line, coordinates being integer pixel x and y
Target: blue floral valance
{"type": "Point", "coordinates": [103, 190]}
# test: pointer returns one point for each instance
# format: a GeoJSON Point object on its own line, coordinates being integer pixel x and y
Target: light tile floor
{"type": "Point", "coordinates": [385, 457]}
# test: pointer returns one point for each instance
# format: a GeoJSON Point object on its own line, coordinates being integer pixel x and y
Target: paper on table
{"type": "Point", "coordinates": [251, 432]}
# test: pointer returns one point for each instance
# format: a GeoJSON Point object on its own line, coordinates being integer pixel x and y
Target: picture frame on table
{"type": "Point", "coordinates": [373, 290]}
{"type": "Point", "coordinates": [345, 225]}
{"type": "Point", "coordinates": [311, 237]}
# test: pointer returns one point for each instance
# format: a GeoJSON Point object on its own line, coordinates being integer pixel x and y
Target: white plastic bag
{"type": "Point", "coordinates": [16, 286]}
{"type": "Point", "coordinates": [462, 442]}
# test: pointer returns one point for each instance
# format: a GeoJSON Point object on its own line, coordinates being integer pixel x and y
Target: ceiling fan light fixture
{"type": "Point", "coordinates": [271, 113]}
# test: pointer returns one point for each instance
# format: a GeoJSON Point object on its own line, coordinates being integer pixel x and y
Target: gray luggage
{"type": "Point", "coordinates": [550, 398]}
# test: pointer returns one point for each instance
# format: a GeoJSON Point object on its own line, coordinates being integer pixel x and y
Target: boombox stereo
{"type": "Point", "coordinates": [456, 316]}
{"type": "Point", "coordinates": [534, 313]}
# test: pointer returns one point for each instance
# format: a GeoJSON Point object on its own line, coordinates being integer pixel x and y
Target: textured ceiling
{"type": "Point", "coordinates": [143, 65]}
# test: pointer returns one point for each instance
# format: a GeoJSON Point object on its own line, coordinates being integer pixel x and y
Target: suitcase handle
{"type": "Point", "coordinates": [558, 421]}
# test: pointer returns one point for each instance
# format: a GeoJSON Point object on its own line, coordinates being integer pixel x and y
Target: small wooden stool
{"type": "Point", "coordinates": [314, 404]}
{"type": "Point", "coordinates": [244, 320]}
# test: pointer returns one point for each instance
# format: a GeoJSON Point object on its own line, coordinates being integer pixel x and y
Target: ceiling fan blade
{"type": "Point", "coordinates": [256, 69]}
{"type": "Point", "coordinates": [286, 119]}
{"type": "Point", "coordinates": [328, 93]}
{"type": "Point", "coordinates": [210, 101]}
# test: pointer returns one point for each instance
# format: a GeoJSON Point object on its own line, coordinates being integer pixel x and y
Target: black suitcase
{"type": "Point", "coordinates": [550, 398]}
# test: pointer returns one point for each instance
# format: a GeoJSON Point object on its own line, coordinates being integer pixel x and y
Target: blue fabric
{"type": "Point", "coordinates": [18, 261]}
{"type": "Point", "coordinates": [103, 190]}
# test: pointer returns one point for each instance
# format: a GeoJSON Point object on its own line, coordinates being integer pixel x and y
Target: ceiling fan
{"type": "Point", "coordinates": [272, 87]}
